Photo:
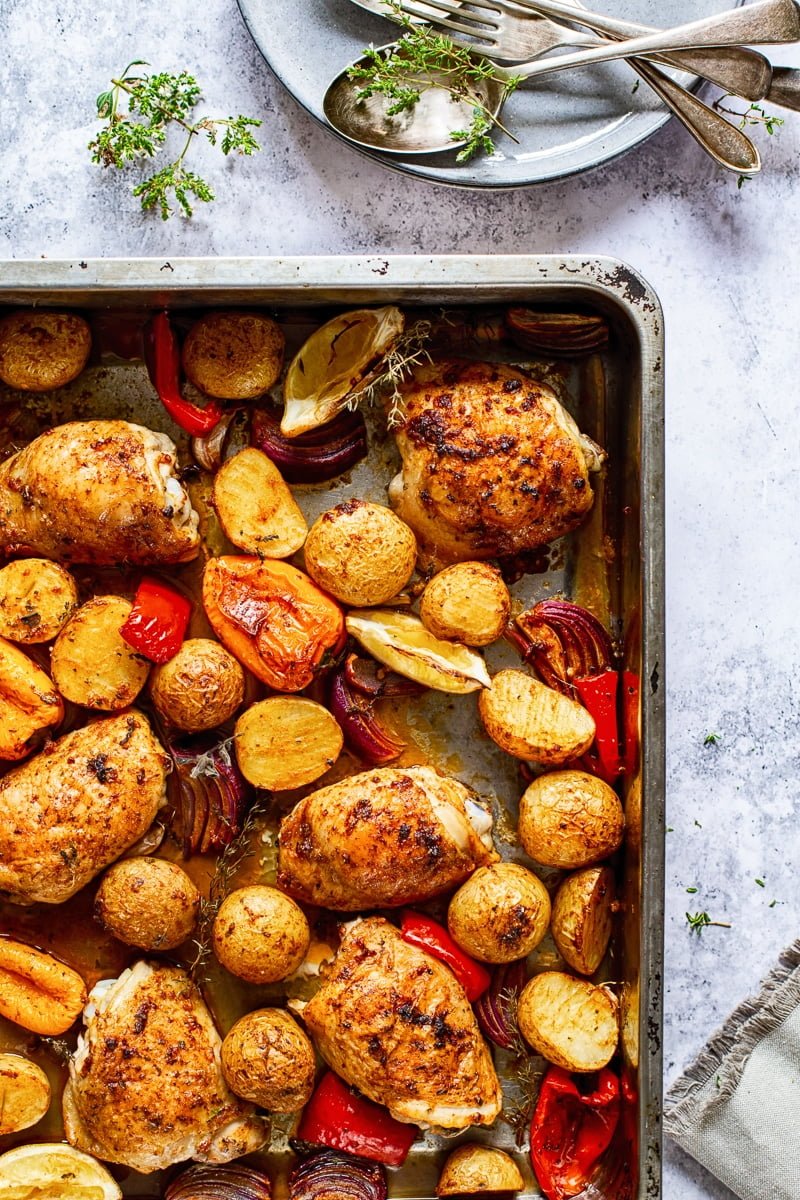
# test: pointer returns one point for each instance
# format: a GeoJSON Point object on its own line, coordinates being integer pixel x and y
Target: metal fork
{"type": "Point", "coordinates": [510, 32]}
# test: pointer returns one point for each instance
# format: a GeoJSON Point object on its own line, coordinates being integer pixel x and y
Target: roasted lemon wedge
{"type": "Point", "coordinates": [333, 362]}
{"type": "Point", "coordinates": [54, 1171]}
{"type": "Point", "coordinates": [401, 642]}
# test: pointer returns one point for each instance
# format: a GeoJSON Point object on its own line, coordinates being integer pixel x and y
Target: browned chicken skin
{"type": "Point", "coordinates": [77, 806]}
{"type": "Point", "coordinates": [492, 463]}
{"type": "Point", "coordinates": [382, 838]}
{"type": "Point", "coordinates": [395, 1023]}
{"type": "Point", "coordinates": [145, 1084]}
{"type": "Point", "coordinates": [99, 492]}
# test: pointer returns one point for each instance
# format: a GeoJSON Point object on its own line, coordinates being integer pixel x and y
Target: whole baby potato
{"type": "Point", "coordinates": [234, 355]}
{"type": "Point", "coordinates": [200, 688]}
{"type": "Point", "coordinates": [467, 602]}
{"type": "Point", "coordinates": [260, 934]}
{"type": "Point", "coordinates": [582, 916]}
{"type": "Point", "coordinates": [147, 902]}
{"type": "Point", "coordinates": [500, 914]}
{"type": "Point", "coordinates": [570, 819]}
{"type": "Point", "coordinates": [268, 1060]}
{"type": "Point", "coordinates": [41, 350]}
{"type": "Point", "coordinates": [361, 553]}
{"type": "Point", "coordinates": [37, 598]}
{"type": "Point", "coordinates": [569, 1021]}
{"type": "Point", "coordinates": [475, 1170]}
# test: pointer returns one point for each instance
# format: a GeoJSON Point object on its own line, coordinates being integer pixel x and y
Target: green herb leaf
{"type": "Point", "coordinates": [691, 890]}
{"type": "Point", "coordinates": [698, 922]}
{"type": "Point", "coordinates": [761, 883]}
{"type": "Point", "coordinates": [711, 739]}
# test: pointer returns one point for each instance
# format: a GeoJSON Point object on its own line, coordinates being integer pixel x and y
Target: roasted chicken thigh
{"type": "Point", "coordinates": [382, 838]}
{"type": "Point", "coordinates": [394, 1022]}
{"type": "Point", "coordinates": [145, 1085]}
{"type": "Point", "coordinates": [97, 492]}
{"type": "Point", "coordinates": [492, 463]}
{"type": "Point", "coordinates": [77, 806]}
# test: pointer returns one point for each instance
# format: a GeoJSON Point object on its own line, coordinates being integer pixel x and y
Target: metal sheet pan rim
{"type": "Point", "coordinates": [451, 278]}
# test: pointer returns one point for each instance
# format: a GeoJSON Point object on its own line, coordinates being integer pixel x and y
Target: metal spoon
{"type": "Point", "coordinates": [426, 128]}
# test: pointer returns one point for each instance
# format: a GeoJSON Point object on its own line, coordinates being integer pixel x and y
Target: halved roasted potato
{"type": "Point", "coordinates": [570, 819]}
{"type": "Point", "coordinates": [91, 662]}
{"type": "Point", "coordinates": [256, 508]}
{"type": "Point", "coordinates": [234, 355]}
{"type": "Point", "coordinates": [286, 741]}
{"type": "Point", "coordinates": [582, 917]}
{"type": "Point", "coordinates": [467, 602]}
{"type": "Point", "coordinates": [569, 1021]}
{"type": "Point", "coordinates": [361, 553]}
{"type": "Point", "coordinates": [41, 350]}
{"type": "Point", "coordinates": [532, 721]}
{"type": "Point", "coordinates": [37, 597]}
{"type": "Point", "coordinates": [475, 1170]}
{"type": "Point", "coordinates": [24, 1093]}
{"type": "Point", "coordinates": [29, 703]}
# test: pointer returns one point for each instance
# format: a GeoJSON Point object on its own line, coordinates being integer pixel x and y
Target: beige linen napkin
{"type": "Point", "coordinates": [736, 1109]}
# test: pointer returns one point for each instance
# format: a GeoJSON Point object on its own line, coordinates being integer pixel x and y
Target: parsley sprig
{"type": "Point", "coordinates": [422, 59]}
{"type": "Point", "coordinates": [154, 102]}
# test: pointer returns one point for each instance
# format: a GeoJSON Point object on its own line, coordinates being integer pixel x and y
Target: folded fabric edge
{"type": "Point", "coordinates": [733, 1043]}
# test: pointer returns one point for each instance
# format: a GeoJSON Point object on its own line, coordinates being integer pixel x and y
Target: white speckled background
{"type": "Point", "coordinates": [726, 264]}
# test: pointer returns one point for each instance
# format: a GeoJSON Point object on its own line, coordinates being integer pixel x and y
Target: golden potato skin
{"type": "Point", "coordinates": [147, 902]}
{"type": "Point", "coordinates": [569, 1021]}
{"type": "Point", "coordinates": [92, 664]}
{"type": "Point", "coordinates": [473, 1170]}
{"type": "Point", "coordinates": [286, 741]}
{"type": "Point", "coordinates": [361, 553]}
{"type": "Point", "coordinates": [269, 1060]}
{"type": "Point", "coordinates": [260, 934]}
{"type": "Point", "coordinates": [582, 918]}
{"type": "Point", "coordinates": [570, 819]}
{"type": "Point", "coordinates": [29, 703]}
{"type": "Point", "coordinates": [41, 350]}
{"type": "Point", "coordinates": [24, 1093]}
{"type": "Point", "coordinates": [234, 355]}
{"type": "Point", "coordinates": [467, 602]}
{"type": "Point", "coordinates": [37, 598]}
{"type": "Point", "coordinates": [532, 721]}
{"type": "Point", "coordinates": [500, 914]}
{"type": "Point", "coordinates": [198, 689]}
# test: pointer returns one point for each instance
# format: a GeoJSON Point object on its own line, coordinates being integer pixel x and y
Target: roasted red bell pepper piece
{"type": "Point", "coordinates": [419, 930]}
{"type": "Point", "coordinates": [158, 621]}
{"type": "Point", "coordinates": [630, 721]}
{"type": "Point", "coordinates": [163, 358]}
{"type": "Point", "coordinates": [570, 1130]}
{"type": "Point", "coordinates": [598, 694]}
{"type": "Point", "coordinates": [337, 1117]}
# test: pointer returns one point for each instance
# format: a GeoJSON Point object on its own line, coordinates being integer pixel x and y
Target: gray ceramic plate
{"type": "Point", "coordinates": [565, 123]}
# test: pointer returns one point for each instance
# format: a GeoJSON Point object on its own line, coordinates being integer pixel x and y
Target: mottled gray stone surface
{"type": "Point", "coordinates": [726, 264]}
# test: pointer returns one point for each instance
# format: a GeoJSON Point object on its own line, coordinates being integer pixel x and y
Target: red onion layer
{"type": "Point", "coordinates": [363, 732]}
{"type": "Point", "coordinates": [230, 1182]}
{"type": "Point", "coordinates": [372, 679]}
{"type": "Point", "coordinates": [313, 457]}
{"type": "Point", "coordinates": [496, 1008]}
{"type": "Point", "coordinates": [562, 641]}
{"type": "Point", "coordinates": [210, 793]}
{"type": "Point", "coordinates": [330, 1175]}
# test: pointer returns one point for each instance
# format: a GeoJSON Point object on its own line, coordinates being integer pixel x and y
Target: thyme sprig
{"type": "Point", "coordinates": [154, 102]}
{"type": "Point", "coordinates": [527, 1072]}
{"type": "Point", "coordinates": [407, 352]}
{"type": "Point", "coordinates": [699, 920]}
{"type": "Point", "coordinates": [422, 59]}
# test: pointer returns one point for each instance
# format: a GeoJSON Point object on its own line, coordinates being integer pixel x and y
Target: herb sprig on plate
{"type": "Point", "coordinates": [154, 103]}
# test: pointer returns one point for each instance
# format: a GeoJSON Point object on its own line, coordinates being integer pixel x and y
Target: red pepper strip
{"type": "Point", "coordinates": [598, 694]}
{"type": "Point", "coordinates": [630, 1113]}
{"type": "Point", "coordinates": [570, 1131]}
{"type": "Point", "coordinates": [337, 1117]}
{"type": "Point", "coordinates": [419, 930]}
{"type": "Point", "coordinates": [158, 621]}
{"type": "Point", "coordinates": [163, 358]}
{"type": "Point", "coordinates": [630, 721]}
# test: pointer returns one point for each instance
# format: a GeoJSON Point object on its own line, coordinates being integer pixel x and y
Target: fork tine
{"type": "Point", "coordinates": [473, 32]}
{"type": "Point", "coordinates": [457, 10]}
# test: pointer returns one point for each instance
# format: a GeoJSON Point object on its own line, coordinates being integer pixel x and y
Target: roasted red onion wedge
{"type": "Point", "coordinates": [312, 457]}
{"type": "Point", "coordinates": [230, 1182]}
{"type": "Point", "coordinates": [496, 1008]}
{"type": "Point", "coordinates": [363, 733]}
{"type": "Point", "coordinates": [562, 641]}
{"type": "Point", "coordinates": [209, 451]}
{"type": "Point", "coordinates": [330, 1175]}
{"type": "Point", "coordinates": [372, 679]}
{"type": "Point", "coordinates": [209, 792]}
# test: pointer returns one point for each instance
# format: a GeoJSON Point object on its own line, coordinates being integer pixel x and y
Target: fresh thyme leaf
{"type": "Point", "coordinates": [691, 890]}
{"type": "Point", "coordinates": [422, 59]}
{"type": "Point", "coordinates": [156, 102]}
{"type": "Point", "coordinates": [754, 115]}
{"type": "Point", "coordinates": [760, 883]}
{"type": "Point", "coordinates": [697, 823]}
{"type": "Point", "coordinates": [407, 352]}
{"type": "Point", "coordinates": [711, 739]}
{"type": "Point", "coordinates": [772, 904]}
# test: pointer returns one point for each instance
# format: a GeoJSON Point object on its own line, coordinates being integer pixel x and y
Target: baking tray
{"type": "Point", "coordinates": [618, 398]}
